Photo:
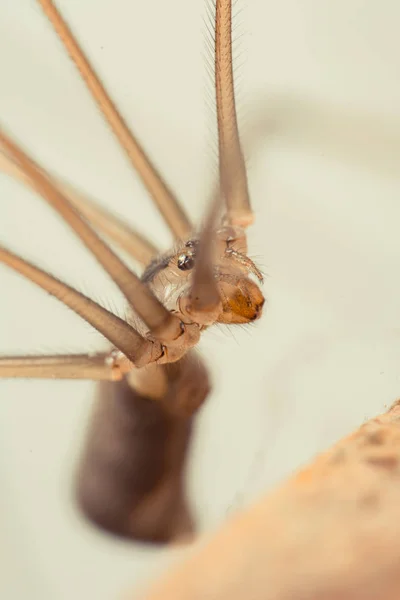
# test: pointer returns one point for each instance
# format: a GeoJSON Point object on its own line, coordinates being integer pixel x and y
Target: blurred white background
{"type": "Point", "coordinates": [319, 98]}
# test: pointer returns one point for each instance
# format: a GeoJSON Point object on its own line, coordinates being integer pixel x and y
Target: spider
{"type": "Point", "coordinates": [131, 480]}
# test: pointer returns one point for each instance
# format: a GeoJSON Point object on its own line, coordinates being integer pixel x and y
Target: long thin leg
{"type": "Point", "coordinates": [127, 238]}
{"type": "Point", "coordinates": [158, 319]}
{"type": "Point", "coordinates": [231, 161]}
{"type": "Point", "coordinates": [117, 331]}
{"type": "Point", "coordinates": [165, 200]}
{"type": "Point", "coordinates": [135, 244]}
{"type": "Point", "coordinates": [96, 367]}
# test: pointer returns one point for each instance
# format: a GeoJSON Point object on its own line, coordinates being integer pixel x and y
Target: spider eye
{"type": "Point", "coordinates": [185, 262]}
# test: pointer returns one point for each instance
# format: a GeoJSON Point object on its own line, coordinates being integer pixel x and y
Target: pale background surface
{"type": "Point", "coordinates": [320, 98]}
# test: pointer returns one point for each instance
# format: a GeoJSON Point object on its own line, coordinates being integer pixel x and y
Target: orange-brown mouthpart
{"type": "Point", "coordinates": [242, 300]}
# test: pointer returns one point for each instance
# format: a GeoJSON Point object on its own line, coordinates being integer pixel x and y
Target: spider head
{"type": "Point", "coordinates": [236, 276]}
{"type": "Point", "coordinates": [241, 300]}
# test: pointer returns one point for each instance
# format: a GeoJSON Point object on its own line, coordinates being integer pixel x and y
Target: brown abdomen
{"type": "Point", "coordinates": [131, 476]}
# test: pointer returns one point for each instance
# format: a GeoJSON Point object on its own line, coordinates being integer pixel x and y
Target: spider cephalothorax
{"type": "Point", "coordinates": [241, 300]}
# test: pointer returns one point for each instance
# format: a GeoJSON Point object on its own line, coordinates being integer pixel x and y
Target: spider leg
{"type": "Point", "coordinates": [127, 238]}
{"type": "Point", "coordinates": [233, 175]}
{"type": "Point", "coordinates": [95, 367]}
{"type": "Point", "coordinates": [124, 337]}
{"type": "Point", "coordinates": [169, 207]}
{"type": "Point", "coordinates": [161, 323]}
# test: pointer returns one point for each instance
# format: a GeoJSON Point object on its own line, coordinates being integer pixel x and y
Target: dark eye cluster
{"type": "Point", "coordinates": [186, 259]}
{"type": "Point", "coordinates": [185, 262]}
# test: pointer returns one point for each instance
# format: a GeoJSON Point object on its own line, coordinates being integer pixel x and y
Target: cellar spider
{"type": "Point", "coordinates": [131, 477]}
{"type": "Point", "coordinates": [298, 266]}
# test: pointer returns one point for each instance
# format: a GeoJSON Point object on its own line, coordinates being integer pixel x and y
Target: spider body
{"type": "Point", "coordinates": [131, 478]}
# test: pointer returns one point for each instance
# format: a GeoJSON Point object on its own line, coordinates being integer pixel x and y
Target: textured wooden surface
{"type": "Point", "coordinates": [331, 531]}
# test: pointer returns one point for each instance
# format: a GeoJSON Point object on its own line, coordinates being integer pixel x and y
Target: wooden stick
{"type": "Point", "coordinates": [331, 532]}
